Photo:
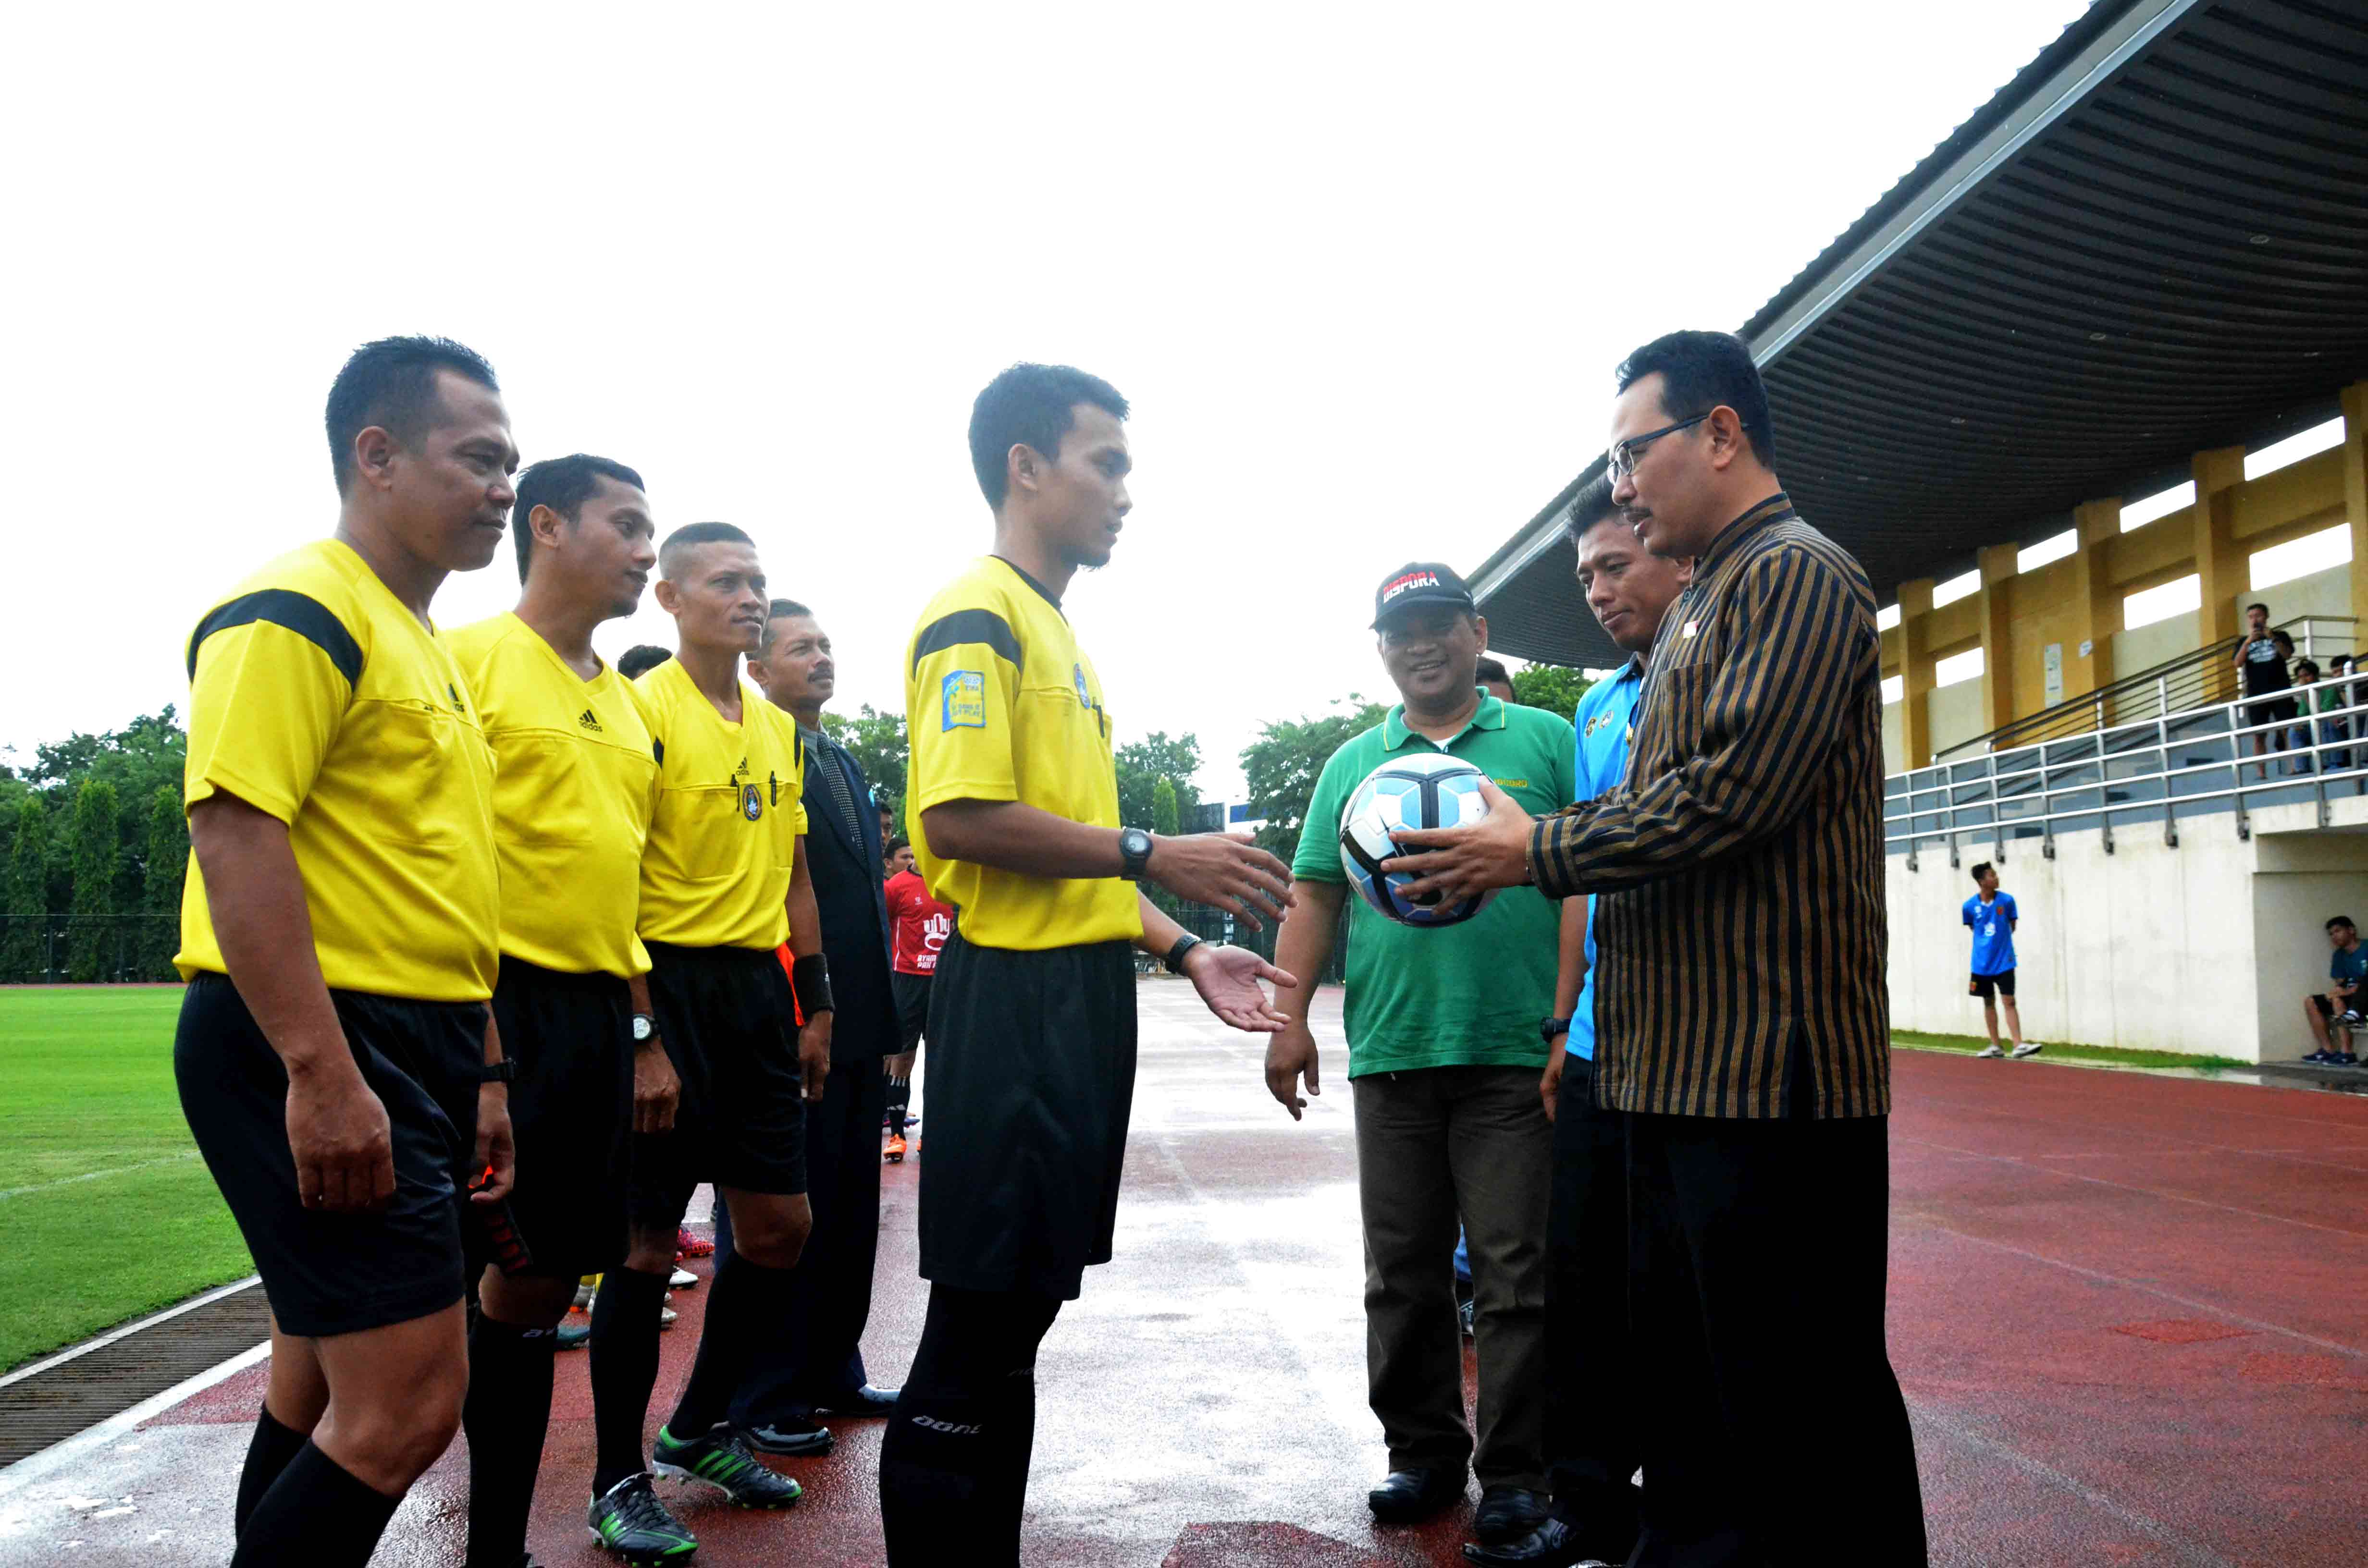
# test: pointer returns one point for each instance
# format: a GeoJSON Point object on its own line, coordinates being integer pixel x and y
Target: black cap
{"type": "Point", "coordinates": [1420, 583]}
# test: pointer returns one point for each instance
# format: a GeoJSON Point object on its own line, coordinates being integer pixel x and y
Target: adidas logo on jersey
{"type": "Point", "coordinates": [590, 721]}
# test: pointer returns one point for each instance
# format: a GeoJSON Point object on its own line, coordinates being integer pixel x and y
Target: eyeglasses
{"type": "Point", "coordinates": [1621, 459]}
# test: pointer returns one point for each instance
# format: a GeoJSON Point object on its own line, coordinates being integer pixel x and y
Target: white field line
{"type": "Point", "coordinates": [7, 1192]}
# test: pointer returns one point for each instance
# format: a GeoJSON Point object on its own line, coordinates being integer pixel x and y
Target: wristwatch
{"type": "Point", "coordinates": [1549, 1028]}
{"type": "Point", "coordinates": [1174, 962]}
{"type": "Point", "coordinates": [502, 1072]}
{"type": "Point", "coordinates": [643, 1027]}
{"type": "Point", "coordinates": [1134, 853]}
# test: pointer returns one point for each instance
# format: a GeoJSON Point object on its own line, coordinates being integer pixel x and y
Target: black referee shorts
{"type": "Point", "coordinates": [911, 993]}
{"type": "Point", "coordinates": [571, 1112]}
{"type": "Point", "coordinates": [325, 1273]}
{"type": "Point", "coordinates": [1032, 1076]}
{"type": "Point", "coordinates": [724, 1015]}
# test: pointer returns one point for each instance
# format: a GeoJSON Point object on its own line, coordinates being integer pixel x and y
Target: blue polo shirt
{"type": "Point", "coordinates": [1605, 718]}
{"type": "Point", "coordinates": [1993, 925]}
{"type": "Point", "coordinates": [2352, 966]}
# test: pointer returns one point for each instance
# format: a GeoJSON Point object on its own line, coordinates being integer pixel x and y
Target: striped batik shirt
{"type": "Point", "coordinates": [1739, 870]}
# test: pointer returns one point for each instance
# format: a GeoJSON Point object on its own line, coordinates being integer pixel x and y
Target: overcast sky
{"type": "Point", "coordinates": [1363, 271]}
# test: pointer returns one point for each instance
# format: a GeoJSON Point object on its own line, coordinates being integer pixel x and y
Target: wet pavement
{"type": "Point", "coordinates": [2125, 1311]}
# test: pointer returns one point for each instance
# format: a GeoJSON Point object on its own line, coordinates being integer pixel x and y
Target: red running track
{"type": "Point", "coordinates": [2124, 1309]}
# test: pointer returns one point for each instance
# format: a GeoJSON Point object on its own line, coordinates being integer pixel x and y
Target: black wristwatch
{"type": "Point", "coordinates": [1549, 1028]}
{"type": "Point", "coordinates": [502, 1072]}
{"type": "Point", "coordinates": [1174, 962]}
{"type": "Point", "coordinates": [1134, 853]}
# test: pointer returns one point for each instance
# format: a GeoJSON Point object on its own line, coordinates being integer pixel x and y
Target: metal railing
{"type": "Point", "coordinates": [2153, 772]}
{"type": "Point", "coordinates": [2175, 685]}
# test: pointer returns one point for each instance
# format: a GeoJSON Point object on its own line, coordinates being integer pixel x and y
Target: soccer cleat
{"type": "Point", "coordinates": [2028, 1048]}
{"type": "Point", "coordinates": [683, 1279]}
{"type": "Point", "coordinates": [666, 1316]}
{"type": "Point", "coordinates": [721, 1459]}
{"type": "Point", "coordinates": [574, 1331]}
{"type": "Point", "coordinates": [628, 1520]}
{"type": "Point", "coordinates": [790, 1435]}
{"type": "Point", "coordinates": [1988, 1051]}
{"type": "Point", "coordinates": [584, 1290]}
{"type": "Point", "coordinates": [895, 1153]}
{"type": "Point", "coordinates": [689, 1245]}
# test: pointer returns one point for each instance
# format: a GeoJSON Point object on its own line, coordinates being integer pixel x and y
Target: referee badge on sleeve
{"type": "Point", "coordinates": [962, 701]}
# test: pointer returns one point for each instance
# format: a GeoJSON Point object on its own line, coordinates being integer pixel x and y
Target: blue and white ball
{"type": "Point", "coordinates": [1421, 789]}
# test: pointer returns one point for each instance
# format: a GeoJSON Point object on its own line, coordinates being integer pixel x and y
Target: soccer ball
{"type": "Point", "coordinates": [1423, 790]}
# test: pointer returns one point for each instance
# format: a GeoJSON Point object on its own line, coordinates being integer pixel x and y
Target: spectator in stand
{"type": "Point", "coordinates": [2333, 698]}
{"type": "Point", "coordinates": [2306, 675]}
{"type": "Point", "coordinates": [922, 926]}
{"type": "Point", "coordinates": [1992, 916]}
{"type": "Point", "coordinates": [887, 826]}
{"type": "Point", "coordinates": [2262, 662]}
{"type": "Point", "coordinates": [642, 658]}
{"type": "Point", "coordinates": [2337, 1011]}
{"type": "Point", "coordinates": [1495, 681]}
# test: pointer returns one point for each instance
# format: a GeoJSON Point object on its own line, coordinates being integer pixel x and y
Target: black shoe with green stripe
{"type": "Point", "coordinates": [628, 1520]}
{"type": "Point", "coordinates": [721, 1459]}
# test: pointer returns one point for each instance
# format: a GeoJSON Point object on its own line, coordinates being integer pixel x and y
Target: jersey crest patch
{"type": "Point", "coordinates": [962, 700]}
{"type": "Point", "coordinates": [1077, 673]}
{"type": "Point", "coordinates": [752, 801]}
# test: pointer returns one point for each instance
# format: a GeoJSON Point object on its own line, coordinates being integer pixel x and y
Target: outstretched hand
{"type": "Point", "coordinates": [1228, 979]}
{"type": "Point", "coordinates": [1458, 863]}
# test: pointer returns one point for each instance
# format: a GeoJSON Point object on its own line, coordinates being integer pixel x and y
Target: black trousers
{"type": "Point", "coordinates": [1773, 1429]}
{"type": "Point", "coordinates": [818, 1351]}
{"type": "Point", "coordinates": [1592, 1441]}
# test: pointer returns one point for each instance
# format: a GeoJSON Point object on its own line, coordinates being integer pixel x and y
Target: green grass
{"type": "Point", "coordinates": [2101, 1055]}
{"type": "Point", "coordinates": [86, 1092]}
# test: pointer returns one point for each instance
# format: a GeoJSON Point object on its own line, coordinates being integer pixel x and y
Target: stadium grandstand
{"type": "Point", "coordinates": [2087, 382]}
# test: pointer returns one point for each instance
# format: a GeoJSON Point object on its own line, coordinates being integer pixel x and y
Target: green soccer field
{"type": "Point", "coordinates": [106, 1211]}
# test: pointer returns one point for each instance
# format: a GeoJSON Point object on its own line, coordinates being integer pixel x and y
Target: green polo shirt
{"type": "Point", "coordinates": [1453, 996]}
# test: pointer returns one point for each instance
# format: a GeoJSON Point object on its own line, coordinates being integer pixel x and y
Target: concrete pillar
{"type": "Point", "coordinates": [2219, 562]}
{"type": "Point", "coordinates": [1999, 698]}
{"type": "Point", "coordinates": [2097, 608]}
{"type": "Point", "coordinates": [2355, 490]}
{"type": "Point", "coordinates": [1914, 671]}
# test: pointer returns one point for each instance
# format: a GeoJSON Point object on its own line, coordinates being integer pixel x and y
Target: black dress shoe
{"type": "Point", "coordinates": [864, 1400]}
{"type": "Point", "coordinates": [1507, 1513]}
{"type": "Point", "coordinates": [1552, 1545]}
{"type": "Point", "coordinates": [1406, 1496]}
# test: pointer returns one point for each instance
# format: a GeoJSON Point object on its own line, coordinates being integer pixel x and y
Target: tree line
{"type": "Point", "coordinates": [94, 844]}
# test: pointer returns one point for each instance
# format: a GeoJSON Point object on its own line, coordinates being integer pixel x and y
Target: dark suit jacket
{"type": "Point", "coordinates": [845, 873]}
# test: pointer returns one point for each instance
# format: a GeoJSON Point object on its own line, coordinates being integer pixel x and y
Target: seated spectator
{"type": "Point", "coordinates": [2306, 674]}
{"type": "Point", "coordinates": [2337, 697]}
{"type": "Point", "coordinates": [2337, 1011]}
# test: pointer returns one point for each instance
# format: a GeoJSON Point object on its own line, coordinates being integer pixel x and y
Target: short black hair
{"type": "Point", "coordinates": [1699, 370]}
{"type": "Point", "coordinates": [690, 534]}
{"type": "Point", "coordinates": [899, 842]}
{"type": "Point", "coordinates": [391, 384]}
{"type": "Point", "coordinates": [778, 609]}
{"type": "Point", "coordinates": [1979, 867]}
{"type": "Point", "coordinates": [2310, 664]}
{"type": "Point", "coordinates": [2341, 920]}
{"type": "Point", "coordinates": [640, 658]}
{"type": "Point", "coordinates": [1489, 669]}
{"type": "Point", "coordinates": [1031, 405]}
{"type": "Point", "coordinates": [564, 484]}
{"type": "Point", "coordinates": [2263, 609]}
{"type": "Point", "coordinates": [1592, 505]}
{"type": "Point", "coordinates": [2335, 659]}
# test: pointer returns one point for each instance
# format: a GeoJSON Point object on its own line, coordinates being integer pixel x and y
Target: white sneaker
{"type": "Point", "coordinates": [1992, 1050]}
{"type": "Point", "coordinates": [2028, 1048]}
{"type": "Point", "coordinates": [665, 1317]}
{"type": "Point", "coordinates": [683, 1279]}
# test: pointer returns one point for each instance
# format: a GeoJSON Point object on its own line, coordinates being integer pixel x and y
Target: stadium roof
{"type": "Point", "coordinates": [2152, 241]}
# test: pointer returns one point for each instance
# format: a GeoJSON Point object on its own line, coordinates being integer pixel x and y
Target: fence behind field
{"type": "Point", "coordinates": [51, 949]}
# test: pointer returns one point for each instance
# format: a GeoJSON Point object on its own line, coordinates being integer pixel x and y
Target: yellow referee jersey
{"type": "Point", "coordinates": [574, 784]}
{"type": "Point", "coordinates": [1001, 704]}
{"type": "Point", "coordinates": [729, 813]}
{"type": "Point", "coordinates": [315, 696]}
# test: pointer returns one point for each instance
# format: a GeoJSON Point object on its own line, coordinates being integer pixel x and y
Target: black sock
{"type": "Point", "coordinates": [953, 1464]}
{"type": "Point", "coordinates": [267, 1454]}
{"type": "Point", "coordinates": [317, 1515]}
{"type": "Point", "coordinates": [747, 1301]}
{"type": "Point", "coordinates": [624, 1370]}
{"type": "Point", "coordinates": [507, 1417]}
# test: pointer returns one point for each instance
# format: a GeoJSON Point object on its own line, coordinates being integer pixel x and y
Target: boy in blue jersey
{"type": "Point", "coordinates": [1991, 915]}
{"type": "Point", "coordinates": [2337, 1010]}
